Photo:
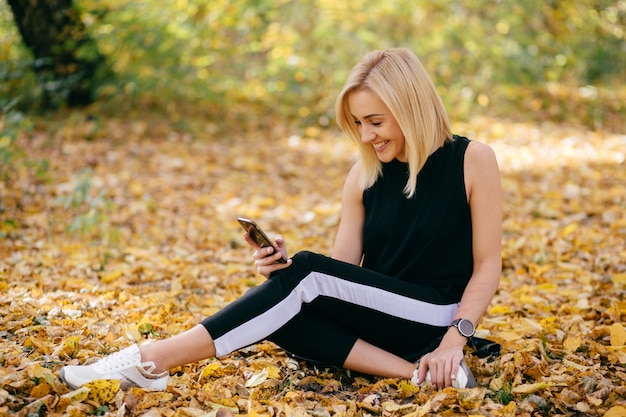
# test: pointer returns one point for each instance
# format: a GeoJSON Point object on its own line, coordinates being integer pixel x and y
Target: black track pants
{"type": "Point", "coordinates": [318, 308]}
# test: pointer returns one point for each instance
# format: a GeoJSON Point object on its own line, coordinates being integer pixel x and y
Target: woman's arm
{"type": "Point", "coordinates": [349, 240]}
{"type": "Point", "coordinates": [482, 180]}
{"type": "Point", "coordinates": [482, 183]}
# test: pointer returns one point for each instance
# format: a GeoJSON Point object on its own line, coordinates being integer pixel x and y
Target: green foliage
{"type": "Point", "coordinates": [14, 163]}
{"type": "Point", "coordinates": [504, 395]}
{"type": "Point", "coordinates": [285, 58]}
{"type": "Point", "coordinates": [89, 212]}
{"type": "Point", "coordinates": [88, 215]}
{"type": "Point", "coordinates": [100, 411]}
{"type": "Point", "coordinates": [146, 329]}
{"type": "Point", "coordinates": [18, 172]}
{"type": "Point", "coordinates": [11, 154]}
{"type": "Point", "coordinates": [16, 79]}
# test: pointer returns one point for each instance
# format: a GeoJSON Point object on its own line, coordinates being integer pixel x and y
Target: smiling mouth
{"type": "Point", "coordinates": [380, 144]}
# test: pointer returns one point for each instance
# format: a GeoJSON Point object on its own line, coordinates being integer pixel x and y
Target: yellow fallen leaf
{"type": "Point", "coordinates": [509, 410]}
{"type": "Point", "coordinates": [471, 399]}
{"type": "Point", "coordinates": [571, 344]}
{"type": "Point", "coordinates": [75, 411]}
{"type": "Point", "coordinates": [619, 307]}
{"type": "Point", "coordinates": [39, 372]}
{"type": "Point", "coordinates": [618, 335]}
{"type": "Point", "coordinates": [407, 386]}
{"type": "Point", "coordinates": [41, 345]}
{"type": "Point", "coordinates": [111, 276]}
{"type": "Point", "coordinates": [509, 336]}
{"type": "Point", "coordinates": [217, 407]}
{"type": "Point", "coordinates": [70, 346]}
{"type": "Point", "coordinates": [617, 411]}
{"type": "Point", "coordinates": [136, 188]}
{"type": "Point", "coordinates": [78, 395]}
{"type": "Point", "coordinates": [499, 309]}
{"type": "Point", "coordinates": [102, 390]}
{"type": "Point", "coordinates": [40, 390]}
{"type": "Point", "coordinates": [496, 384]}
{"type": "Point", "coordinates": [393, 408]}
{"type": "Point", "coordinates": [132, 333]}
{"type": "Point", "coordinates": [110, 337]}
{"type": "Point", "coordinates": [292, 395]}
{"type": "Point", "coordinates": [252, 413]}
{"type": "Point", "coordinates": [273, 372]}
{"type": "Point", "coordinates": [421, 410]}
{"type": "Point", "coordinates": [619, 278]}
{"type": "Point", "coordinates": [568, 266]}
{"type": "Point", "coordinates": [191, 412]}
{"type": "Point", "coordinates": [530, 388]}
{"type": "Point", "coordinates": [549, 324]}
{"type": "Point", "coordinates": [210, 370]}
{"type": "Point", "coordinates": [618, 355]}
{"type": "Point", "coordinates": [150, 399]}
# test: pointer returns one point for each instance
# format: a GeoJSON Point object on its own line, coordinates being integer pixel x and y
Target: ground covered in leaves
{"type": "Point", "coordinates": [119, 231]}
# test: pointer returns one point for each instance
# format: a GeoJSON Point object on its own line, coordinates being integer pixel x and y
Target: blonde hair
{"type": "Point", "coordinates": [401, 82]}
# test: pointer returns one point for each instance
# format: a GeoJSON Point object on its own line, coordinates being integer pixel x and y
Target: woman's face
{"type": "Point", "coordinates": [377, 126]}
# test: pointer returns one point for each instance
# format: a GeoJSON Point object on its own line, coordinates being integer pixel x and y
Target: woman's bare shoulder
{"type": "Point", "coordinates": [479, 152]}
{"type": "Point", "coordinates": [353, 179]}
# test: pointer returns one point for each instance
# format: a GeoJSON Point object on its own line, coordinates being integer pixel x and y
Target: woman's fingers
{"type": "Point", "coordinates": [442, 367]}
{"type": "Point", "coordinates": [267, 269]}
{"type": "Point", "coordinates": [266, 259]}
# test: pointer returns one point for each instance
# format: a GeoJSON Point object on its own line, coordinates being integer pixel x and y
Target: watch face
{"type": "Point", "coordinates": [466, 328]}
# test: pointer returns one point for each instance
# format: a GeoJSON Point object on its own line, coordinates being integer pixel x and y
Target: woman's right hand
{"type": "Point", "coordinates": [266, 259]}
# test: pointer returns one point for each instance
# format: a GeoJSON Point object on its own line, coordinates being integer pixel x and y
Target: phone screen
{"type": "Point", "coordinates": [258, 236]}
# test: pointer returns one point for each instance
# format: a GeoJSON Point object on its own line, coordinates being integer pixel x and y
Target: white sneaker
{"type": "Point", "coordinates": [124, 365]}
{"type": "Point", "coordinates": [464, 378]}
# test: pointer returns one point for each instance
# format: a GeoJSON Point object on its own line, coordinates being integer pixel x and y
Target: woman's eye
{"type": "Point", "coordinates": [356, 122]}
{"type": "Point", "coordinates": [375, 123]}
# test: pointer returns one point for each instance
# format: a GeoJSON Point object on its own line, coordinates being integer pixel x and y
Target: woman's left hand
{"type": "Point", "coordinates": [266, 259]}
{"type": "Point", "coordinates": [443, 362]}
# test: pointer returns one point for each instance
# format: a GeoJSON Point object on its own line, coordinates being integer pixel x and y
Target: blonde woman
{"type": "Point", "coordinates": [415, 264]}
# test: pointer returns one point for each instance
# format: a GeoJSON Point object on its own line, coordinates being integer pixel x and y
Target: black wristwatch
{"type": "Point", "coordinates": [464, 326]}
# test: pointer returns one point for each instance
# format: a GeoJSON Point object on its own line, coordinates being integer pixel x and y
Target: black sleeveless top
{"type": "Point", "coordinates": [426, 239]}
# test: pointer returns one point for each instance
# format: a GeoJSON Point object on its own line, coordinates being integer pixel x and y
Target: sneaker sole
{"type": "Point", "coordinates": [62, 376]}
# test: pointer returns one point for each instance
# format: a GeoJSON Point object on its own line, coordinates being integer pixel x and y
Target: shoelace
{"type": "Point", "coordinates": [116, 361]}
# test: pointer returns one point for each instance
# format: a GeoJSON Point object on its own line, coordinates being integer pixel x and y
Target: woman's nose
{"type": "Point", "coordinates": [366, 134]}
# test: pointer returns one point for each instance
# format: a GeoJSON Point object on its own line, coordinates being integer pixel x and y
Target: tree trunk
{"type": "Point", "coordinates": [66, 60]}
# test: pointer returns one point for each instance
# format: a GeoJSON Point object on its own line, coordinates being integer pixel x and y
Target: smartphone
{"type": "Point", "coordinates": [258, 236]}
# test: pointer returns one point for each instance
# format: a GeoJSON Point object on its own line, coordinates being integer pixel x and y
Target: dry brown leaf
{"type": "Point", "coordinates": [471, 399]}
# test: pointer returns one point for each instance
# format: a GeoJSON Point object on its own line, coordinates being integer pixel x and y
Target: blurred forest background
{"type": "Point", "coordinates": [229, 62]}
